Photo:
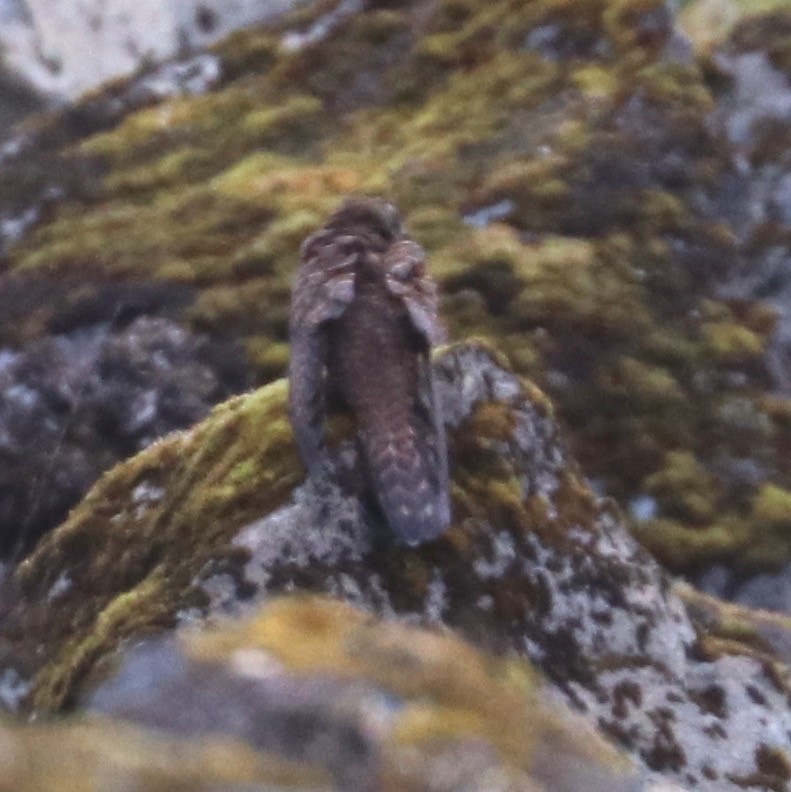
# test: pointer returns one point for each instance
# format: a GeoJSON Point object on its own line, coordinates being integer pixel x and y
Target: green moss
{"type": "Point", "coordinates": [269, 357]}
{"type": "Point", "coordinates": [685, 490]}
{"type": "Point", "coordinates": [735, 629]}
{"type": "Point", "coordinates": [732, 342]}
{"type": "Point", "coordinates": [755, 23]}
{"type": "Point", "coordinates": [752, 542]}
{"type": "Point", "coordinates": [447, 689]}
{"type": "Point", "coordinates": [593, 277]}
{"type": "Point", "coordinates": [101, 752]}
{"type": "Point", "coordinates": [294, 123]}
{"type": "Point", "coordinates": [647, 387]}
{"type": "Point", "coordinates": [233, 468]}
{"type": "Point", "coordinates": [772, 505]}
{"type": "Point", "coordinates": [687, 549]}
{"type": "Point", "coordinates": [595, 81]}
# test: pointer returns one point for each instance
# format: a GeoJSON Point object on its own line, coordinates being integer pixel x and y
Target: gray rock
{"type": "Point", "coordinates": [65, 48]}
{"type": "Point", "coordinates": [588, 605]}
{"type": "Point", "coordinates": [347, 720]}
{"type": "Point", "coordinates": [73, 404]}
{"type": "Point", "coordinates": [754, 111]}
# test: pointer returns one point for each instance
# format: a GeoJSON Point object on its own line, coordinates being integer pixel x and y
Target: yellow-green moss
{"type": "Point", "coordinates": [708, 22]}
{"type": "Point", "coordinates": [740, 629]}
{"type": "Point", "coordinates": [590, 277]}
{"type": "Point", "coordinates": [683, 548]}
{"type": "Point", "coordinates": [772, 505]}
{"type": "Point", "coordinates": [236, 466]}
{"type": "Point", "coordinates": [448, 689]}
{"type": "Point", "coordinates": [102, 753]}
{"type": "Point", "coordinates": [732, 342]}
{"type": "Point", "coordinates": [684, 488]}
{"type": "Point", "coordinates": [293, 121]}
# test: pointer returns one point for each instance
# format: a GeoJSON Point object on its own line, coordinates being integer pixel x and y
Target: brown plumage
{"type": "Point", "coordinates": [363, 321]}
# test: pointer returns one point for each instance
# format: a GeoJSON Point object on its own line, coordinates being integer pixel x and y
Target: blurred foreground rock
{"type": "Point", "coordinates": [213, 521]}
{"type": "Point", "coordinates": [374, 705]}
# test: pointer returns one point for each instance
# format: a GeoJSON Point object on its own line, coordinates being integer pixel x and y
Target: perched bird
{"type": "Point", "coordinates": [363, 322]}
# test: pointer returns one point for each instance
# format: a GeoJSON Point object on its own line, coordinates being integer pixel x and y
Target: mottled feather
{"type": "Point", "coordinates": [363, 321]}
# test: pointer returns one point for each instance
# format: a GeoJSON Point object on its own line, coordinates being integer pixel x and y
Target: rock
{"type": "Point", "coordinates": [754, 111]}
{"type": "Point", "coordinates": [367, 701]}
{"type": "Point", "coordinates": [592, 208]}
{"type": "Point", "coordinates": [16, 102]}
{"type": "Point", "coordinates": [588, 209]}
{"type": "Point", "coordinates": [609, 212]}
{"type": "Point", "coordinates": [73, 404]}
{"type": "Point", "coordinates": [109, 754]}
{"type": "Point", "coordinates": [768, 591]}
{"type": "Point", "coordinates": [65, 49]}
{"type": "Point", "coordinates": [209, 523]}
{"type": "Point", "coordinates": [766, 633]}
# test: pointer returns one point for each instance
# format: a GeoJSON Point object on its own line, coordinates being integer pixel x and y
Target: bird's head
{"type": "Point", "coordinates": [369, 214]}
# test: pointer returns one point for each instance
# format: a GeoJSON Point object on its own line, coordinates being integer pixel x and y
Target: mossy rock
{"type": "Point", "coordinates": [104, 753]}
{"type": "Point", "coordinates": [128, 555]}
{"type": "Point", "coordinates": [213, 521]}
{"type": "Point", "coordinates": [555, 158]}
{"type": "Point", "coordinates": [735, 629]}
{"type": "Point", "coordinates": [134, 553]}
{"type": "Point", "coordinates": [380, 705]}
{"type": "Point", "coordinates": [308, 694]}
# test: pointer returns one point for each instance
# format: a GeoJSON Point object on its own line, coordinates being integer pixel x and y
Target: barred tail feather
{"type": "Point", "coordinates": [410, 483]}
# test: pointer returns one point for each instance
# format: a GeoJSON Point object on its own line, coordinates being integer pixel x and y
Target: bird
{"type": "Point", "coordinates": [362, 324]}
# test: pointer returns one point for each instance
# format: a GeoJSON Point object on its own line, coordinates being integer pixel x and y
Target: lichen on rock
{"type": "Point", "coordinates": [378, 703]}
{"type": "Point", "coordinates": [571, 171]}
{"type": "Point", "coordinates": [212, 521]}
{"type": "Point", "coordinates": [100, 752]}
{"type": "Point", "coordinates": [602, 204]}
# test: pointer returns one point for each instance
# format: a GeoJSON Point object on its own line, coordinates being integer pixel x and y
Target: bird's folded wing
{"type": "Point", "coordinates": [323, 289]}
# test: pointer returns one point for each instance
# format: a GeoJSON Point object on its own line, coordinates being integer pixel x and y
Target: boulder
{"type": "Point", "coordinates": [215, 520]}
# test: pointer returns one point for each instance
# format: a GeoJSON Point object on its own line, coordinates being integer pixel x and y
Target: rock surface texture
{"type": "Point", "coordinates": [74, 404]}
{"type": "Point", "coordinates": [369, 703]}
{"type": "Point", "coordinates": [534, 566]}
{"type": "Point", "coordinates": [65, 48]}
{"type": "Point", "coordinates": [601, 201]}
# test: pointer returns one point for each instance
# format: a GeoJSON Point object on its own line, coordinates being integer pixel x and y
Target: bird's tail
{"type": "Point", "coordinates": [408, 466]}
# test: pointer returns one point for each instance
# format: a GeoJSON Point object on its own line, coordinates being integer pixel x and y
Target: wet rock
{"type": "Point", "coordinates": [74, 404]}
{"type": "Point", "coordinates": [218, 519]}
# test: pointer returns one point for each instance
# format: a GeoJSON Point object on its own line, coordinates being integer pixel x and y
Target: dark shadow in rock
{"type": "Point", "coordinates": [73, 405]}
